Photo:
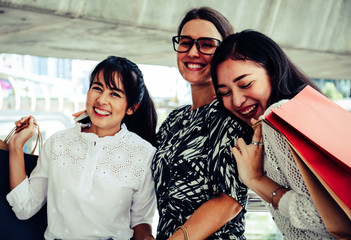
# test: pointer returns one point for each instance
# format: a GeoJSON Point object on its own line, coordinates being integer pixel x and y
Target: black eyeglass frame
{"type": "Point", "coordinates": [176, 39]}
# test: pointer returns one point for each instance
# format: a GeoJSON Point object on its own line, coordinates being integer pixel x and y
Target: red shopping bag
{"type": "Point", "coordinates": [319, 133]}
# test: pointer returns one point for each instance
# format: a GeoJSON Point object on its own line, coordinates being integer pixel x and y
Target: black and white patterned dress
{"type": "Point", "coordinates": [193, 163]}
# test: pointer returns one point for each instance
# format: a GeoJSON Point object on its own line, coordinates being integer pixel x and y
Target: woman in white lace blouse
{"type": "Point", "coordinates": [251, 75]}
{"type": "Point", "coordinates": [96, 178]}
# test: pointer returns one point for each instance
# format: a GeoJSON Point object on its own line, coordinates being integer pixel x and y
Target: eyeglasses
{"type": "Point", "coordinates": [204, 45]}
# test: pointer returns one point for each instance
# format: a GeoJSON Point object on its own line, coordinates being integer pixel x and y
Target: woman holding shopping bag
{"type": "Point", "coordinates": [252, 74]}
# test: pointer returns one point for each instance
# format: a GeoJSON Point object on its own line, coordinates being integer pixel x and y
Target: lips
{"type": "Point", "coordinates": [101, 112]}
{"type": "Point", "coordinates": [249, 111]}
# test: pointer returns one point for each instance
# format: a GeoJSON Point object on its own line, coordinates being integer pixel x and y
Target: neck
{"type": "Point", "coordinates": [101, 132]}
{"type": "Point", "coordinates": [202, 95]}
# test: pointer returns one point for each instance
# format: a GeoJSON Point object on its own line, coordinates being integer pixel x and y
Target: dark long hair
{"type": "Point", "coordinates": [143, 121]}
{"type": "Point", "coordinates": [286, 79]}
{"type": "Point", "coordinates": [205, 13]}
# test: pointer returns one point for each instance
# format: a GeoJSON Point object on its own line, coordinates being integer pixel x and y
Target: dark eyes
{"type": "Point", "coordinates": [208, 45]}
{"type": "Point", "coordinates": [223, 94]}
{"type": "Point", "coordinates": [115, 94]}
{"type": "Point", "coordinates": [227, 93]}
{"type": "Point", "coordinates": [203, 45]}
{"type": "Point", "coordinates": [99, 89]}
{"type": "Point", "coordinates": [247, 85]}
{"type": "Point", "coordinates": [185, 43]}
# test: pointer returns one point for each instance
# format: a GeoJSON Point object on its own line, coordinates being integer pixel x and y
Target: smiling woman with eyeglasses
{"type": "Point", "coordinates": [198, 190]}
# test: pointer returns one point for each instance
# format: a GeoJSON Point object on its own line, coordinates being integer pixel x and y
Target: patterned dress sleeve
{"type": "Point", "coordinates": [224, 132]}
{"type": "Point", "coordinates": [164, 129]}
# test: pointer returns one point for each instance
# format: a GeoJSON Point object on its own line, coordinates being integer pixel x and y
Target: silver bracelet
{"type": "Point", "coordinates": [274, 193]}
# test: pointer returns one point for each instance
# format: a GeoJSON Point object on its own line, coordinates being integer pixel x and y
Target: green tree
{"type": "Point", "coordinates": [331, 92]}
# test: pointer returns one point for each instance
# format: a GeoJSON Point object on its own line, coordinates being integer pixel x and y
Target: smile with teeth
{"type": "Point", "coordinates": [101, 112]}
{"type": "Point", "coordinates": [248, 110]}
{"type": "Point", "coordinates": [194, 65]}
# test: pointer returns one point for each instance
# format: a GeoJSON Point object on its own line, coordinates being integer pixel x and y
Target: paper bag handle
{"type": "Point", "coordinates": [38, 142]}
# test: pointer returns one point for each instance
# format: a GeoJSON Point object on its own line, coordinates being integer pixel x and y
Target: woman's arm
{"type": "Point", "coordinates": [208, 218]}
{"type": "Point", "coordinates": [22, 189]}
{"type": "Point", "coordinates": [16, 155]}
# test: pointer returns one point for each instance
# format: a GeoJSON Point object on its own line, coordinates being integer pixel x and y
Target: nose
{"type": "Point", "coordinates": [193, 51]}
{"type": "Point", "coordinates": [102, 98]}
{"type": "Point", "coordinates": [238, 99]}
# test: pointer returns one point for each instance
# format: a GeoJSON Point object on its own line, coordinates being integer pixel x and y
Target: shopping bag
{"type": "Point", "coordinates": [334, 218]}
{"type": "Point", "coordinates": [11, 228]}
{"type": "Point", "coordinates": [319, 134]}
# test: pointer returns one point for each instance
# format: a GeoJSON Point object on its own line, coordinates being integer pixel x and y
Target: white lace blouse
{"type": "Point", "coordinates": [96, 188]}
{"type": "Point", "coordinates": [297, 216]}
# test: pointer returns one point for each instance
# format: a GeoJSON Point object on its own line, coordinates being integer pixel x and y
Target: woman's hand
{"type": "Point", "coordinates": [143, 231]}
{"type": "Point", "coordinates": [25, 130]}
{"type": "Point", "coordinates": [77, 114]}
{"type": "Point", "coordinates": [81, 117]}
{"type": "Point", "coordinates": [249, 158]}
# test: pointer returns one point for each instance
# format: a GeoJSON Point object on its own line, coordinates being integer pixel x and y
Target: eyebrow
{"type": "Point", "coordinates": [113, 89]}
{"type": "Point", "coordinates": [186, 36]}
{"type": "Point", "coordinates": [235, 79]}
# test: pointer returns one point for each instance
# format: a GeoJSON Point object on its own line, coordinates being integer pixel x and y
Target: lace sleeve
{"type": "Point", "coordinates": [280, 166]}
{"type": "Point", "coordinates": [144, 200]}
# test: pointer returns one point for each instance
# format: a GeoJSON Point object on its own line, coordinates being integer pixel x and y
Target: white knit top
{"type": "Point", "coordinates": [297, 216]}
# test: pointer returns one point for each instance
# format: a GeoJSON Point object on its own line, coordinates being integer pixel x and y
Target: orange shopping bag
{"type": "Point", "coordinates": [319, 134]}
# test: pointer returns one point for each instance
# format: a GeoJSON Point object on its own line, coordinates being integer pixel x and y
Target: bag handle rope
{"type": "Point", "coordinates": [16, 129]}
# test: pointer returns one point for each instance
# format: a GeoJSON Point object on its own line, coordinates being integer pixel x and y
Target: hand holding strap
{"type": "Point", "coordinates": [39, 140]}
